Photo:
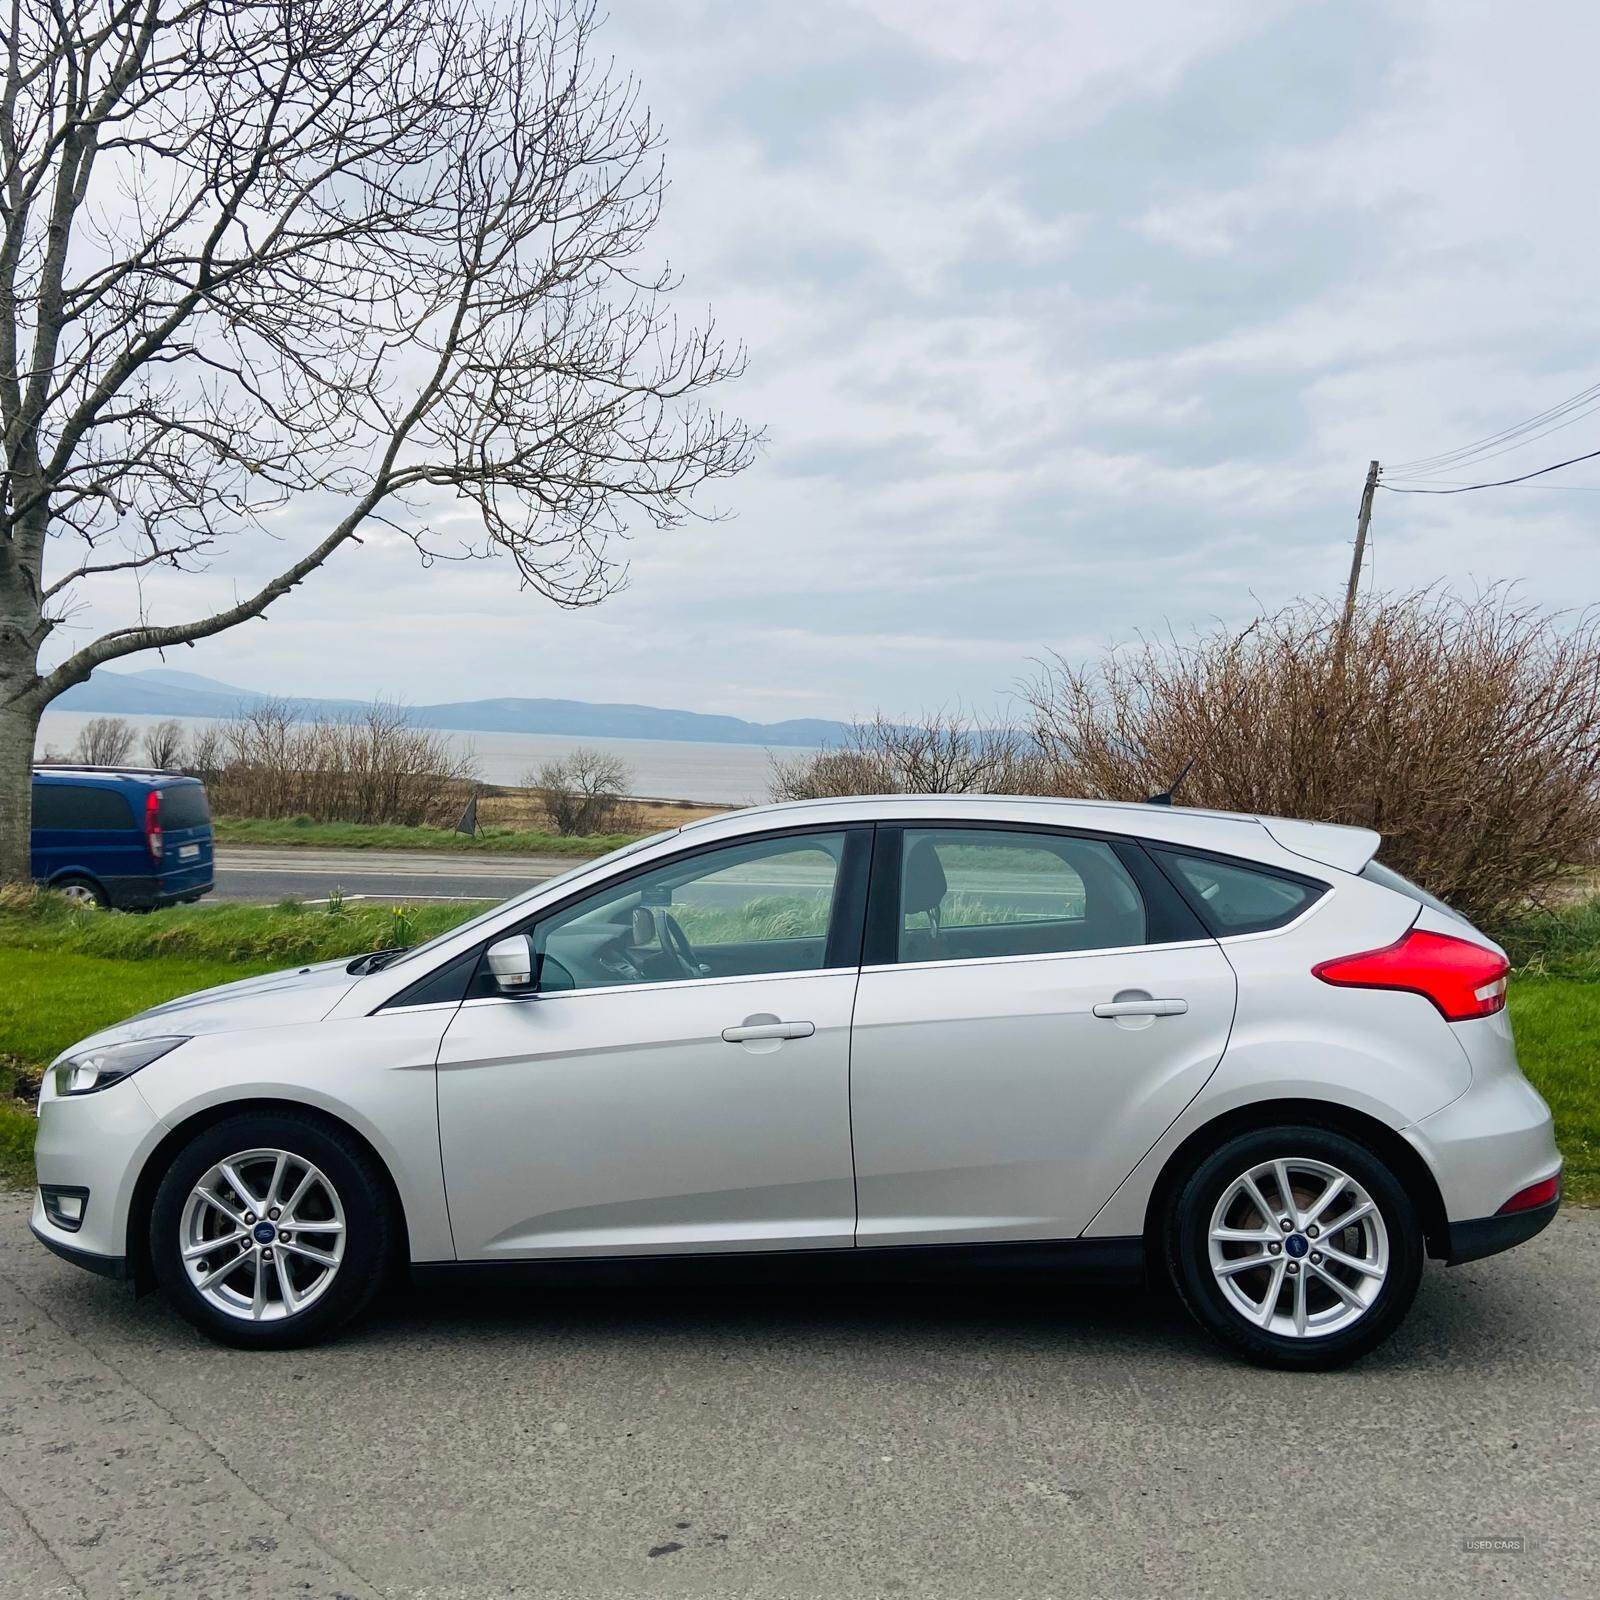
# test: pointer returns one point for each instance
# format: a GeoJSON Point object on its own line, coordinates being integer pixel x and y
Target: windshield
{"type": "Point", "coordinates": [418, 951]}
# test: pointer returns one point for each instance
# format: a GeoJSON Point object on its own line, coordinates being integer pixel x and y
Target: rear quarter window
{"type": "Point", "coordinates": [1376, 872]}
{"type": "Point", "coordinates": [1237, 896]}
{"type": "Point", "coordinates": [73, 805]}
{"type": "Point", "coordinates": [183, 805]}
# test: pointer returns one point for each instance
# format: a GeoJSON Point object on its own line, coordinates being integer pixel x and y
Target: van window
{"type": "Point", "coordinates": [183, 805]}
{"type": "Point", "coordinates": [62, 805]}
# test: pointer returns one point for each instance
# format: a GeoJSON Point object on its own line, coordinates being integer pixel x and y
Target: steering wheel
{"type": "Point", "coordinates": [676, 943]}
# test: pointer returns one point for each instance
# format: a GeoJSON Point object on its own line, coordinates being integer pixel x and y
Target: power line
{"type": "Point", "coordinates": [1498, 483]}
{"type": "Point", "coordinates": [1521, 442]}
{"type": "Point", "coordinates": [1425, 465]}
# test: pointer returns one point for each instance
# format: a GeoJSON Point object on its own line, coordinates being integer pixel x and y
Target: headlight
{"type": "Point", "coordinates": [99, 1066]}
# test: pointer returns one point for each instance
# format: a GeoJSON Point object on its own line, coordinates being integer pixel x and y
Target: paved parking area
{"type": "Point", "coordinates": [781, 1444]}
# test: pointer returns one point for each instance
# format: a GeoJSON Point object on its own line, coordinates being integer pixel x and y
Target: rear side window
{"type": "Point", "coordinates": [183, 805]}
{"type": "Point", "coordinates": [1236, 897]}
{"type": "Point", "coordinates": [970, 894]}
{"type": "Point", "coordinates": [63, 805]}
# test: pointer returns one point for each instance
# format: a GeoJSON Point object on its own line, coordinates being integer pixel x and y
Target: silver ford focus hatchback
{"type": "Point", "coordinates": [869, 1037]}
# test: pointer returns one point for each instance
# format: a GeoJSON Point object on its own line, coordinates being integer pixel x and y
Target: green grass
{"type": "Point", "coordinates": [381, 836]}
{"type": "Point", "coordinates": [1557, 1023]}
{"type": "Point", "coordinates": [1563, 943]}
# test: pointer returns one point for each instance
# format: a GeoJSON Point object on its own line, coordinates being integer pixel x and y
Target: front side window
{"type": "Point", "coordinates": [970, 893]}
{"type": "Point", "coordinates": [749, 909]}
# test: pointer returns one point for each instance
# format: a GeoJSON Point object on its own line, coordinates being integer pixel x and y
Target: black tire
{"type": "Point", "coordinates": [369, 1225]}
{"type": "Point", "coordinates": [1186, 1240]}
{"type": "Point", "coordinates": [91, 890]}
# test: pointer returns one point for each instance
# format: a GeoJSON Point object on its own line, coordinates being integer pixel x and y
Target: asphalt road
{"type": "Point", "coordinates": [785, 1444]}
{"type": "Point", "coordinates": [269, 875]}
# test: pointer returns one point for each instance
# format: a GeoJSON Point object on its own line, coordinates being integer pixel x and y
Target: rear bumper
{"type": "Point", "coordinates": [1488, 1236]}
{"type": "Point", "coordinates": [146, 893]}
{"type": "Point", "coordinates": [1487, 1145]}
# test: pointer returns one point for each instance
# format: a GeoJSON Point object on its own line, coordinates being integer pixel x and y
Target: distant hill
{"type": "Point", "coordinates": [166, 692]}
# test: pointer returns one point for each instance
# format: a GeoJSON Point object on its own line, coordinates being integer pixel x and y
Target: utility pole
{"type": "Point", "coordinates": [1363, 518]}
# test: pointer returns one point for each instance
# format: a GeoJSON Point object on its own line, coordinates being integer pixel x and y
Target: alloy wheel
{"type": "Point", "coordinates": [1298, 1247]}
{"type": "Point", "coordinates": [262, 1235]}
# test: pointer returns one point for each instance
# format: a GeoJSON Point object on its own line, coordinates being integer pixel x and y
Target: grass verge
{"type": "Point", "coordinates": [302, 831]}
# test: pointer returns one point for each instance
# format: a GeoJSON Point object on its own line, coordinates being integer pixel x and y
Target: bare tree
{"type": "Point", "coordinates": [104, 742]}
{"type": "Point", "coordinates": [372, 765]}
{"type": "Point", "coordinates": [206, 751]}
{"type": "Point", "coordinates": [585, 793]}
{"type": "Point", "coordinates": [370, 255]}
{"type": "Point", "coordinates": [164, 745]}
{"type": "Point", "coordinates": [949, 752]}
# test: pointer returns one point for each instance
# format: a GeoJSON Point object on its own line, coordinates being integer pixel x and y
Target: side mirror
{"type": "Point", "coordinates": [511, 964]}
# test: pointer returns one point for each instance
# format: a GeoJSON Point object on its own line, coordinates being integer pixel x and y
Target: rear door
{"type": "Point", "coordinates": [1035, 1009]}
{"type": "Point", "coordinates": [186, 847]}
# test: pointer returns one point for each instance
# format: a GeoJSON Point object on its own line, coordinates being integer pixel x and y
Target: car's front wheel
{"type": "Point", "coordinates": [1297, 1246]}
{"type": "Point", "coordinates": [271, 1229]}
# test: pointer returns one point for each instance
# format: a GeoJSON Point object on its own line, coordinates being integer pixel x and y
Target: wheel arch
{"type": "Point", "coordinates": [1403, 1159]}
{"type": "Point", "coordinates": [139, 1267]}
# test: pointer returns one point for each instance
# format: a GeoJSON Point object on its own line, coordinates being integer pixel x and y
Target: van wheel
{"type": "Point", "coordinates": [1295, 1246]}
{"type": "Point", "coordinates": [271, 1229]}
{"type": "Point", "coordinates": [81, 892]}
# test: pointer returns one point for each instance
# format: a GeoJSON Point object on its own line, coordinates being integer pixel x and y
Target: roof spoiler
{"type": "Point", "coordinates": [1331, 843]}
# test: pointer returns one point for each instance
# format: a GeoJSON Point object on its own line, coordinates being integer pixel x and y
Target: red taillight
{"type": "Point", "coordinates": [152, 823]}
{"type": "Point", "coordinates": [1536, 1194]}
{"type": "Point", "coordinates": [1461, 978]}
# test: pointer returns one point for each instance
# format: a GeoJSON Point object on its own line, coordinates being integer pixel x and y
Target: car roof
{"type": "Point", "coordinates": [1227, 832]}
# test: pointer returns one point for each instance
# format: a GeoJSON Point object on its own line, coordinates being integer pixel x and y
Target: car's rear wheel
{"type": "Point", "coordinates": [271, 1229]}
{"type": "Point", "coordinates": [81, 892]}
{"type": "Point", "coordinates": [1296, 1246]}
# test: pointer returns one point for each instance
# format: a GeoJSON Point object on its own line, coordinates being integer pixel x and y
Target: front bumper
{"type": "Point", "coordinates": [104, 1266]}
{"type": "Point", "coordinates": [97, 1142]}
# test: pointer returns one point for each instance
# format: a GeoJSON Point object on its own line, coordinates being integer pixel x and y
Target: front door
{"type": "Point", "coordinates": [1035, 1014]}
{"type": "Point", "coordinates": [679, 1078]}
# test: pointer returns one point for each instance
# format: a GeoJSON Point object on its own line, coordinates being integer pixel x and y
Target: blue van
{"type": "Point", "coordinates": [121, 837]}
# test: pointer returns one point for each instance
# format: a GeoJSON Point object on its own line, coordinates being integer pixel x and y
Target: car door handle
{"type": "Point", "coordinates": [1141, 1008]}
{"type": "Point", "coordinates": [768, 1030]}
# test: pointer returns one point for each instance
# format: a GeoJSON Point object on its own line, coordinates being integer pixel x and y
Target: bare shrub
{"type": "Point", "coordinates": [585, 793]}
{"type": "Point", "coordinates": [104, 742]}
{"type": "Point", "coordinates": [206, 753]}
{"type": "Point", "coordinates": [372, 767]}
{"type": "Point", "coordinates": [1466, 731]}
{"type": "Point", "coordinates": [164, 745]}
{"type": "Point", "coordinates": [947, 753]}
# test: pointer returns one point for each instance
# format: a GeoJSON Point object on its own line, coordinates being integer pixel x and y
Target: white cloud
{"type": "Point", "coordinates": [1065, 322]}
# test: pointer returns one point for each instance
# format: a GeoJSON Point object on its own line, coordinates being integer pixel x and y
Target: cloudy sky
{"type": "Point", "coordinates": [1065, 321]}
